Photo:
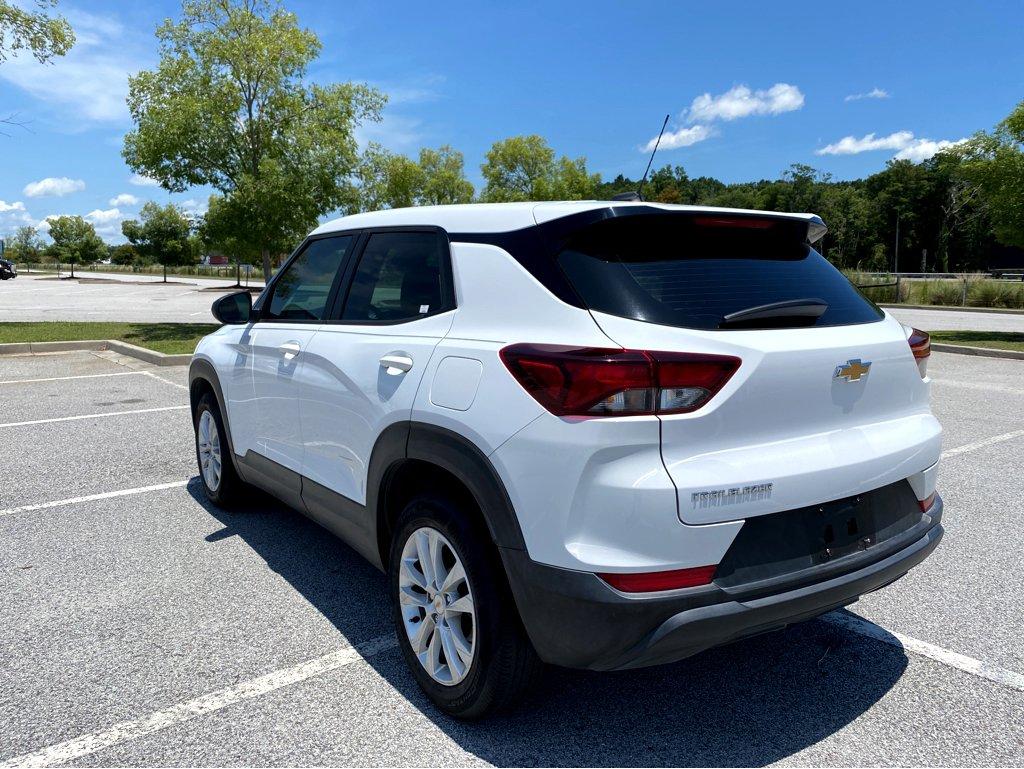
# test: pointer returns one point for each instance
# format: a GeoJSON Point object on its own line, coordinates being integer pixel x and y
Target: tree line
{"type": "Point", "coordinates": [230, 105]}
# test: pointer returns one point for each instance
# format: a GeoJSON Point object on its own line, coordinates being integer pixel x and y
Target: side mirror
{"type": "Point", "coordinates": [234, 308]}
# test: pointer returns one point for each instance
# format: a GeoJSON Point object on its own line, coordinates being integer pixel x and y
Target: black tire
{"type": "Point", "coordinates": [231, 489]}
{"type": "Point", "coordinates": [505, 664]}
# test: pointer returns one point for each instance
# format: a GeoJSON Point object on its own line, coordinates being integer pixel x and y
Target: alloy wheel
{"type": "Point", "coordinates": [437, 607]}
{"type": "Point", "coordinates": [208, 442]}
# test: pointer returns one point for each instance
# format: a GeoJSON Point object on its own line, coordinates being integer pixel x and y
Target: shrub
{"type": "Point", "coordinates": [994, 293]}
{"type": "Point", "coordinates": [945, 292]}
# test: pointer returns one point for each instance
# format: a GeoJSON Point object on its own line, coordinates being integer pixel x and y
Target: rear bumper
{"type": "Point", "coordinates": [575, 619]}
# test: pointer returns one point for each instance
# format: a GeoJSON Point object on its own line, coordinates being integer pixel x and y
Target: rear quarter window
{"type": "Point", "coordinates": [691, 271]}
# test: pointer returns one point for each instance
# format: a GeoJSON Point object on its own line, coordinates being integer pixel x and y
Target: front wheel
{"type": "Point", "coordinates": [216, 469]}
{"type": "Point", "coordinates": [455, 618]}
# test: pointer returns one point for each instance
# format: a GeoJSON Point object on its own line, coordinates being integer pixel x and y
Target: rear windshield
{"type": "Point", "coordinates": [693, 271]}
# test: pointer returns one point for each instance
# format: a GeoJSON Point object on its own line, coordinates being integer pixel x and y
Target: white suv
{"type": "Point", "coordinates": [600, 435]}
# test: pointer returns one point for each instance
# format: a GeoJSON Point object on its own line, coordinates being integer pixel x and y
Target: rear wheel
{"type": "Point", "coordinates": [456, 621]}
{"type": "Point", "coordinates": [216, 469]}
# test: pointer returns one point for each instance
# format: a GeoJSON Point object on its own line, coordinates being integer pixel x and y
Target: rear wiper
{"type": "Point", "coordinates": [807, 309]}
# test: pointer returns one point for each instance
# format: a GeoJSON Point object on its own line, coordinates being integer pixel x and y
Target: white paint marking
{"type": "Point", "coordinates": [165, 381]}
{"type": "Point", "coordinates": [992, 673]}
{"type": "Point", "coordinates": [61, 378]}
{"type": "Point", "coordinates": [982, 444]}
{"type": "Point", "coordinates": [91, 416]}
{"type": "Point", "coordinates": [206, 703]}
{"type": "Point", "coordinates": [91, 498]}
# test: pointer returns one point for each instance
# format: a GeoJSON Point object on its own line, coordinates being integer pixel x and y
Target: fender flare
{"type": "Point", "coordinates": [457, 455]}
{"type": "Point", "coordinates": [203, 369]}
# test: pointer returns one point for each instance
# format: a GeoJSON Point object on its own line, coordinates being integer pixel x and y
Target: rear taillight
{"type": "Point", "coordinates": [926, 504]}
{"type": "Point", "coordinates": [594, 382]}
{"type": "Point", "coordinates": [653, 581]}
{"type": "Point", "coordinates": [921, 345]}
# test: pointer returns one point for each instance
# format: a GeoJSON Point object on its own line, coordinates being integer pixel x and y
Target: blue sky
{"type": "Point", "coordinates": [751, 87]}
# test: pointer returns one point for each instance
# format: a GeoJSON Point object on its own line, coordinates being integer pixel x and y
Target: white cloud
{"type": "Point", "coordinates": [851, 145]}
{"type": "Point", "coordinates": [684, 137]}
{"type": "Point", "coordinates": [124, 199]}
{"type": "Point", "coordinates": [397, 133]}
{"type": "Point", "coordinates": [906, 146]}
{"type": "Point", "coordinates": [99, 216]}
{"type": "Point", "coordinates": [89, 83]}
{"type": "Point", "coordinates": [43, 225]}
{"type": "Point", "coordinates": [13, 215]}
{"type": "Point", "coordinates": [53, 186]}
{"type": "Point", "coordinates": [922, 149]}
{"type": "Point", "coordinates": [194, 207]}
{"type": "Point", "coordinates": [143, 181]}
{"type": "Point", "coordinates": [874, 93]}
{"type": "Point", "coordinates": [740, 101]}
{"type": "Point", "coordinates": [106, 222]}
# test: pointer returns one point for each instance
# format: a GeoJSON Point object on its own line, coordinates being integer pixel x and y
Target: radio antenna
{"type": "Point", "coordinates": [644, 179]}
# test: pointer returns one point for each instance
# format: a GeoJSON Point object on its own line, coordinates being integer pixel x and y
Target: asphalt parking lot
{"type": "Point", "coordinates": [141, 626]}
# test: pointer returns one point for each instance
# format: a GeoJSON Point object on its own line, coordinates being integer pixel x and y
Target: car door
{"type": "Point", "coordinates": [362, 368]}
{"type": "Point", "coordinates": [290, 314]}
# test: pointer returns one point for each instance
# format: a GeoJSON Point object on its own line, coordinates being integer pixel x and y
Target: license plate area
{"type": "Point", "coordinates": [779, 544]}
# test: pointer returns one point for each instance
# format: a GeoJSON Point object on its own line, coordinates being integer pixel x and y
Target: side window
{"type": "Point", "coordinates": [302, 290]}
{"type": "Point", "coordinates": [399, 278]}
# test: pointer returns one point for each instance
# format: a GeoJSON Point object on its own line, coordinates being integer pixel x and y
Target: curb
{"type": "Point", "coordinates": [984, 352]}
{"type": "Point", "coordinates": [134, 351]}
{"type": "Point", "coordinates": [950, 308]}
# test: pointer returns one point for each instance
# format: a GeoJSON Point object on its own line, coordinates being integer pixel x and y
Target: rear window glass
{"type": "Point", "coordinates": [693, 271]}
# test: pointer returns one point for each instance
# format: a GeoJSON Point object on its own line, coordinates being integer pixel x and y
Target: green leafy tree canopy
{"type": "Point", "coordinates": [36, 31]}
{"type": "Point", "coordinates": [524, 168]}
{"type": "Point", "coordinates": [388, 180]}
{"type": "Point", "coordinates": [162, 235]}
{"type": "Point", "coordinates": [995, 163]}
{"type": "Point", "coordinates": [229, 106]}
{"type": "Point", "coordinates": [75, 241]}
{"type": "Point", "coordinates": [25, 245]}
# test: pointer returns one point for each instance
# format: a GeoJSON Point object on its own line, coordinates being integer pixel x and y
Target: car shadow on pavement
{"type": "Point", "coordinates": [747, 704]}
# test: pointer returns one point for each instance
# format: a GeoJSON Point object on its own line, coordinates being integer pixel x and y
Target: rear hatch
{"type": "Point", "coordinates": [827, 401]}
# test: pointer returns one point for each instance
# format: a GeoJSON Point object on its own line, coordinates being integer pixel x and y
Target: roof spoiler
{"type": "Point", "coordinates": [816, 229]}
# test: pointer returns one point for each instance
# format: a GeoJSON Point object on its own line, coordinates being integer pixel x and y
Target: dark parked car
{"type": "Point", "coordinates": [7, 269]}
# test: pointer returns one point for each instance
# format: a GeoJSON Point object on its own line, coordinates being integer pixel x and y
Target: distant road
{"type": "Point", "coordinates": [142, 298]}
{"type": "Point", "coordinates": [955, 320]}
{"type": "Point", "coordinates": [33, 298]}
{"type": "Point", "coordinates": [144, 278]}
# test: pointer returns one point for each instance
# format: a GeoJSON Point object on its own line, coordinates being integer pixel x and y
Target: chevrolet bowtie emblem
{"type": "Point", "coordinates": [853, 370]}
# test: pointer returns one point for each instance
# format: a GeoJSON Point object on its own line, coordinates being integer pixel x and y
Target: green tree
{"type": "Point", "coordinates": [75, 242]}
{"type": "Point", "coordinates": [124, 254]}
{"type": "Point", "coordinates": [25, 245]}
{"type": "Point", "coordinates": [162, 234]}
{"type": "Point", "coordinates": [994, 162]}
{"type": "Point", "coordinates": [445, 179]}
{"type": "Point", "coordinates": [388, 180]}
{"type": "Point", "coordinates": [524, 168]}
{"type": "Point", "coordinates": [229, 106]}
{"type": "Point", "coordinates": [36, 31]}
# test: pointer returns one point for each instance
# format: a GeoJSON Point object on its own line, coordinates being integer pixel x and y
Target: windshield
{"type": "Point", "coordinates": [692, 271]}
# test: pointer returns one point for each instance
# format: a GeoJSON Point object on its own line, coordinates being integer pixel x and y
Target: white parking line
{"type": "Point", "coordinates": [91, 497]}
{"type": "Point", "coordinates": [161, 379]}
{"type": "Point", "coordinates": [91, 416]}
{"type": "Point", "coordinates": [206, 703]}
{"type": "Point", "coordinates": [953, 659]}
{"type": "Point", "coordinates": [982, 444]}
{"type": "Point", "coordinates": [77, 376]}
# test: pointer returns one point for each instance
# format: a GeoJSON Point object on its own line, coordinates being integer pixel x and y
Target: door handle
{"type": "Point", "coordinates": [396, 364]}
{"type": "Point", "coordinates": [289, 349]}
